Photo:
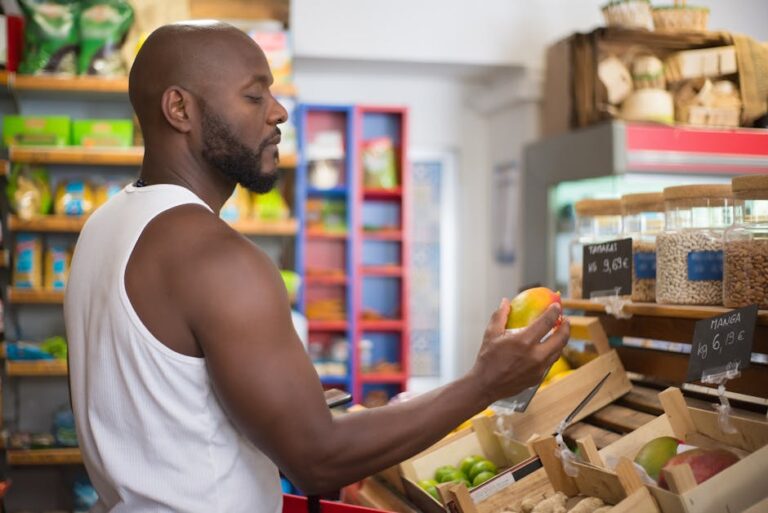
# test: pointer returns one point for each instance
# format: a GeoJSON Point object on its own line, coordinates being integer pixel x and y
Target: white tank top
{"type": "Point", "coordinates": [153, 435]}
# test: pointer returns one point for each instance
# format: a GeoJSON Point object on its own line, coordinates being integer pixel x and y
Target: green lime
{"type": "Point", "coordinates": [457, 475]}
{"type": "Point", "coordinates": [482, 477]}
{"type": "Point", "coordinates": [466, 463]}
{"type": "Point", "coordinates": [441, 472]}
{"type": "Point", "coordinates": [432, 490]}
{"type": "Point", "coordinates": [426, 483]}
{"type": "Point", "coordinates": [481, 466]}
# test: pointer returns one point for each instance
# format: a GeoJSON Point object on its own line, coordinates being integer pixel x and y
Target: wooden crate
{"type": "Point", "coordinates": [546, 410]}
{"type": "Point", "coordinates": [734, 489]}
{"type": "Point", "coordinates": [552, 404]}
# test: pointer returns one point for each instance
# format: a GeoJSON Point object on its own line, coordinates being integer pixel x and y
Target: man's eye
{"type": "Point", "coordinates": [254, 99]}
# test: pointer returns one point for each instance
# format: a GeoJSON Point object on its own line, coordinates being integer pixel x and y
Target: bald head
{"type": "Point", "coordinates": [197, 56]}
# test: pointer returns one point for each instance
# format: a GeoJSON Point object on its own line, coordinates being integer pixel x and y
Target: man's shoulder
{"type": "Point", "coordinates": [193, 234]}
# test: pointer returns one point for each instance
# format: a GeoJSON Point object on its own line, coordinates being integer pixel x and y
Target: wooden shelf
{"type": "Point", "coordinates": [52, 223]}
{"type": "Point", "coordinates": [81, 84]}
{"type": "Point", "coordinates": [330, 279]}
{"type": "Point", "coordinates": [63, 456]}
{"type": "Point", "coordinates": [382, 325]}
{"type": "Point", "coordinates": [77, 155]}
{"type": "Point", "coordinates": [5, 167]}
{"type": "Point", "coordinates": [656, 310]}
{"type": "Point", "coordinates": [386, 235]}
{"type": "Point", "coordinates": [395, 193]}
{"type": "Point", "coordinates": [383, 378]}
{"type": "Point", "coordinates": [288, 161]}
{"type": "Point", "coordinates": [36, 367]}
{"type": "Point", "coordinates": [327, 325]}
{"type": "Point", "coordinates": [384, 271]}
{"type": "Point", "coordinates": [285, 227]}
{"type": "Point", "coordinates": [5, 258]}
{"type": "Point", "coordinates": [84, 84]}
{"type": "Point", "coordinates": [35, 296]}
{"type": "Point", "coordinates": [319, 234]}
{"type": "Point", "coordinates": [73, 224]}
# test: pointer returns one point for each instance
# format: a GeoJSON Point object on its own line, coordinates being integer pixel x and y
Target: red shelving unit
{"type": "Point", "coordinates": [381, 254]}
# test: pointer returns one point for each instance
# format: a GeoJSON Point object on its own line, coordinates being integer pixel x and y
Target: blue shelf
{"type": "Point", "coordinates": [334, 192]}
{"type": "Point", "coordinates": [334, 380]}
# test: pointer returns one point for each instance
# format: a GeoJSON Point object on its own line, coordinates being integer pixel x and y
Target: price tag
{"type": "Point", "coordinates": [607, 269]}
{"type": "Point", "coordinates": [723, 343]}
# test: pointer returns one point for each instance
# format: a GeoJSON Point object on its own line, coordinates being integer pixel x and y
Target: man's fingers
{"type": "Point", "coordinates": [498, 320]}
{"type": "Point", "coordinates": [553, 346]}
{"type": "Point", "coordinates": [545, 322]}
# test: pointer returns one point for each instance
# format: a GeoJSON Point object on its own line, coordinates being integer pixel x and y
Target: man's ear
{"type": "Point", "coordinates": [176, 104]}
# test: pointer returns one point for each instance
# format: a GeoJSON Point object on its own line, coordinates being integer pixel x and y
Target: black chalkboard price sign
{"type": "Point", "coordinates": [607, 269]}
{"type": "Point", "coordinates": [722, 343]}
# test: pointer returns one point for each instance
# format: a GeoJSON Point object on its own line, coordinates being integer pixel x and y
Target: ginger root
{"type": "Point", "coordinates": [531, 502]}
{"type": "Point", "coordinates": [553, 504]}
{"type": "Point", "coordinates": [588, 505]}
{"type": "Point", "coordinates": [604, 509]}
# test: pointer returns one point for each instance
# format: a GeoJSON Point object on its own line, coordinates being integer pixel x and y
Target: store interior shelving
{"type": "Point", "coordinates": [381, 338]}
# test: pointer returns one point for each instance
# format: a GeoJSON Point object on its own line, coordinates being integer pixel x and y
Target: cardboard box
{"type": "Point", "coordinates": [117, 133]}
{"type": "Point", "coordinates": [574, 96]}
{"type": "Point", "coordinates": [36, 130]}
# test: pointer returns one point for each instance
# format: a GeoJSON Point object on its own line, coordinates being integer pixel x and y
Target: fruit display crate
{"type": "Point", "coordinates": [734, 488]}
{"type": "Point", "coordinates": [546, 410]}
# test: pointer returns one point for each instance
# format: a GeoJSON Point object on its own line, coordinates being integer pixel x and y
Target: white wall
{"type": "Point", "coordinates": [491, 32]}
{"type": "Point", "coordinates": [469, 75]}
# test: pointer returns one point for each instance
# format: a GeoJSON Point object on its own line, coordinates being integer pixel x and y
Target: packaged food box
{"type": "Point", "coordinates": [36, 130]}
{"type": "Point", "coordinates": [102, 132]}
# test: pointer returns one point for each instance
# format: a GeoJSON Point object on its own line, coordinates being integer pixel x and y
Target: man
{"type": "Point", "coordinates": [189, 384]}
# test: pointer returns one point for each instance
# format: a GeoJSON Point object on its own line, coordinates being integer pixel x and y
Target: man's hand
{"type": "Point", "coordinates": [509, 363]}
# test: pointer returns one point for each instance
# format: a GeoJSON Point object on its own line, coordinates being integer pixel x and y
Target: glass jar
{"type": "Point", "coordinates": [689, 253]}
{"type": "Point", "coordinates": [745, 273]}
{"type": "Point", "coordinates": [597, 220]}
{"type": "Point", "coordinates": [643, 221]}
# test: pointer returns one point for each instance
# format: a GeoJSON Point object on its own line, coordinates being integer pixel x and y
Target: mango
{"type": "Point", "coordinates": [704, 463]}
{"type": "Point", "coordinates": [528, 305]}
{"type": "Point", "coordinates": [655, 454]}
{"type": "Point", "coordinates": [560, 367]}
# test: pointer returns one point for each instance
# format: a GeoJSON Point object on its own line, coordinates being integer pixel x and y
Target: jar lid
{"type": "Point", "coordinates": [750, 187]}
{"type": "Point", "coordinates": [693, 192]}
{"type": "Point", "coordinates": [642, 202]}
{"type": "Point", "coordinates": [598, 207]}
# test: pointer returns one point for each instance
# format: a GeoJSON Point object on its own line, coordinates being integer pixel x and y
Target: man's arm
{"type": "Point", "coordinates": [239, 312]}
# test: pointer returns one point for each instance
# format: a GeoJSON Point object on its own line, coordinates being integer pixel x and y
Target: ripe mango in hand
{"type": "Point", "coordinates": [530, 304]}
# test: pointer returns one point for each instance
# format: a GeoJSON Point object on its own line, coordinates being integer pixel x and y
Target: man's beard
{"type": "Point", "coordinates": [223, 151]}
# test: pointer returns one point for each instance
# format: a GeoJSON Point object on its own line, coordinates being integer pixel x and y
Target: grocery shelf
{"type": "Point", "coordinates": [320, 279]}
{"type": "Point", "coordinates": [339, 192]}
{"type": "Point", "coordinates": [327, 325]}
{"type": "Point", "coordinates": [77, 155]}
{"type": "Point", "coordinates": [80, 84]}
{"type": "Point", "coordinates": [382, 325]}
{"type": "Point", "coordinates": [285, 227]}
{"type": "Point", "coordinates": [383, 377]}
{"type": "Point", "coordinates": [85, 84]}
{"type": "Point", "coordinates": [333, 380]}
{"type": "Point", "coordinates": [35, 296]}
{"type": "Point", "coordinates": [385, 235]}
{"type": "Point", "coordinates": [395, 193]}
{"type": "Point", "coordinates": [73, 224]}
{"type": "Point", "coordinates": [320, 234]}
{"type": "Point", "coordinates": [383, 271]}
{"type": "Point", "coordinates": [5, 258]}
{"type": "Point", "coordinates": [51, 223]}
{"type": "Point", "coordinates": [62, 456]}
{"type": "Point", "coordinates": [657, 310]}
{"type": "Point", "coordinates": [36, 367]}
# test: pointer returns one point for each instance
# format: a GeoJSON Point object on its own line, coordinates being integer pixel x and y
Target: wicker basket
{"type": "Point", "coordinates": [680, 18]}
{"type": "Point", "coordinates": [629, 14]}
